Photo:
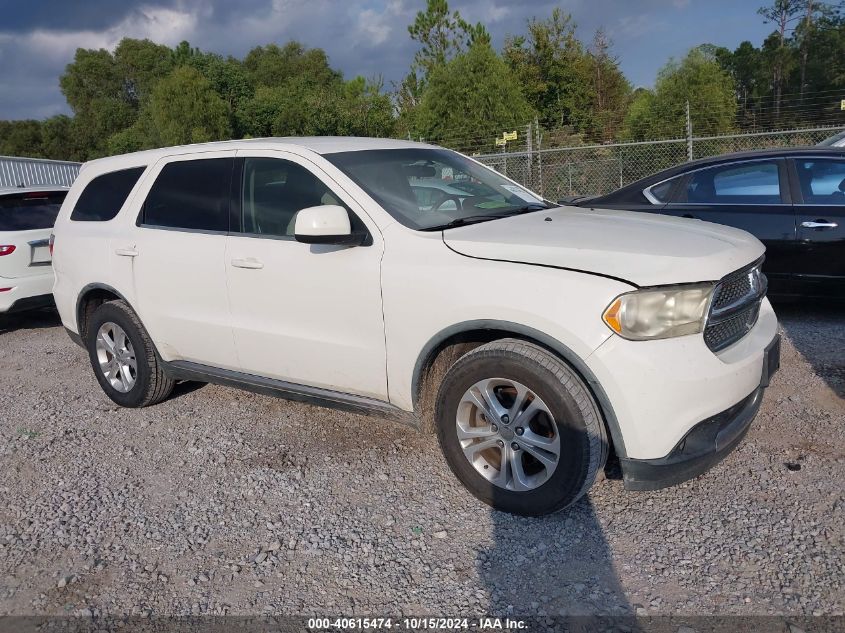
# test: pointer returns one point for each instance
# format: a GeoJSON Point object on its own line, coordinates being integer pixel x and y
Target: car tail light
{"type": "Point", "coordinates": [52, 241]}
{"type": "Point", "coordinates": [7, 249]}
{"type": "Point", "coordinates": [5, 289]}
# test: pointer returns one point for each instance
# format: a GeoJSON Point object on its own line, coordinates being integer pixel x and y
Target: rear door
{"type": "Point", "coordinates": [820, 203]}
{"type": "Point", "coordinates": [176, 249]}
{"type": "Point", "coordinates": [751, 195]}
{"type": "Point", "coordinates": [26, 221]}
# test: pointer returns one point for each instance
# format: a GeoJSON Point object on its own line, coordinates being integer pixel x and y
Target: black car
{"type": "Point", "coordinates": [793, 200]}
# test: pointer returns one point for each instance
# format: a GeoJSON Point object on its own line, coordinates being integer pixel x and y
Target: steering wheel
{"type": "Point", "coordinates": [446, 198]}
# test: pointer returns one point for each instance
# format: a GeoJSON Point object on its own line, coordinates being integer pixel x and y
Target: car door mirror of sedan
{"type": "Point", "coordinates": [325, 224]}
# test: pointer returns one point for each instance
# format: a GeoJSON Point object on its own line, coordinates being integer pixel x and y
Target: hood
{"type": "Point", "coordinates": [640, 248]}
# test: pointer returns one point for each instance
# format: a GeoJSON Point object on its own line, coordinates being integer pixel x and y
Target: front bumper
{"type": "Point", "coordinates": [707, 443]}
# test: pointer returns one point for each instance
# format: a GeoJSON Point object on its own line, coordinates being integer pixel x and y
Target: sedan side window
{"type": "Point", "coordinates": [822, 181]}
{"type": "Point", "coordinates": [274, 190]}
{"type": "Point", "coordinates": [757, 182]}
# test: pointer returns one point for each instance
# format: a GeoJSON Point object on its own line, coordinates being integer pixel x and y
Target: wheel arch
{"type": "Point", "coordinates": [89, 299]}
{"type": "Point", "coordinates": [463, 336]}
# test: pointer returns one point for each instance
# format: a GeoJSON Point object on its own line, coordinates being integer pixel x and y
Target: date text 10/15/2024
{"type": "Point", "coordinates": [415, 624]}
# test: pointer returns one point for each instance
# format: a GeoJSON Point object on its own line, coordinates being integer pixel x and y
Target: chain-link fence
{"type": "Point", "coordinates": [598, 169]}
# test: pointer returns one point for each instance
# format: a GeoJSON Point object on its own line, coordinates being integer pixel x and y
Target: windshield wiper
{"type": "Point", "coordinates": [470, 219]}
{"type": "Point", "coordinates": [473, 219]}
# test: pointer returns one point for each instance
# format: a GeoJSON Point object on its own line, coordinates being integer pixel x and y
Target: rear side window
{"type": "Point", "coordinates": [26, 212]}
{"type": "Point", "coordinates": [103, 197]}
{"type": "Point", "coordinates": [756, 182]}
{"type": "Point", "coordinates": [191, 194]}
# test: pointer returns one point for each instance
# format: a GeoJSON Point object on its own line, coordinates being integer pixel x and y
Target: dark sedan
{"type": "Point", "coordinates": [793, 200]}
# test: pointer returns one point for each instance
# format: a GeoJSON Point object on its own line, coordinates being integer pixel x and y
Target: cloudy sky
{"type": "Point", "coordinates": [368, 37]}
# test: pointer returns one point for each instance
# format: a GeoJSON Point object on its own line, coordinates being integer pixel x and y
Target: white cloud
{"type": "Point", "coordinates": [164, 26]}
{"type": "Point", "coordinates": [374, 26]}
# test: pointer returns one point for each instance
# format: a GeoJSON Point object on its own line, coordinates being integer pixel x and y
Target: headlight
{"type": "Point", "coordinates": [655, 313]}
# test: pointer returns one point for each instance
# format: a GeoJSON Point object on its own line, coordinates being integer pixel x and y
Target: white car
{"type": "Point", "coordinates": [27, 215]}
{"type": "Point", "coordinates": [837, 140]}
{"type": "Point", "coordinates": [534, 339]}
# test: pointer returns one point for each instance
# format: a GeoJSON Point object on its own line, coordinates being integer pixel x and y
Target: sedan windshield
{"type": "Point", "coordinates": [429, 189]}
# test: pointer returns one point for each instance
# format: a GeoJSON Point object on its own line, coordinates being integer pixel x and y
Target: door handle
{"type": "Point", "coordinates": [819, 224]}
{"type": "Point", "coordinates": [126, 252]}
{"type": "Point", "coordinates": [249, 263]}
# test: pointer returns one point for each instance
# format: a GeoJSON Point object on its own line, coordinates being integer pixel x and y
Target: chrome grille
{"type": "Point", "coordinates": [735, 307]}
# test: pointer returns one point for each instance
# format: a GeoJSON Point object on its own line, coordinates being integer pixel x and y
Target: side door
{"type": "Point", "coordinates": [176, 249]}
{"type": "Point", "coordinates": [306, 314]}
{"type": "Point", "coordinates": [751, 195]}
{"type": "Point", "coordinates": [820, 203]}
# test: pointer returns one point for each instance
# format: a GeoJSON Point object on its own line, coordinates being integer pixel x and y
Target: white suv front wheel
{"type": "Point", "coordinates": [519, 428]}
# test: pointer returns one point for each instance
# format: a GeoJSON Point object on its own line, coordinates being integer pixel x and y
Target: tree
{"type": "Point", "coordinates": [184, 108]}
{"type": "Point", "coordinates": [553, 70]}
{"type": "Point", "coordinates": [471, 98]}
{"type": "Point", "coordinates": [697, 79]}
{"type": "Point", "coordinates": [272, 66]}
{"type": "Point", "coordinates": [21, 138]}
{"type": "Point", "coordinates": [441, 35]}
{"type": "Point", "coordinates": [57, 139]}
{"type": "Point", "coordinates": [782, 13]}
{"type": "Point", "coordinates": [611, 92]}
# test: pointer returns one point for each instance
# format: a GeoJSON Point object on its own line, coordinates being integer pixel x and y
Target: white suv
{"type": "Point", "coordinates": [531, 337]}
{"type": "Point", "coordinates": [27, 215]}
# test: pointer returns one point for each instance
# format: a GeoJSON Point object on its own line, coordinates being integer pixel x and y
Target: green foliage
{"type": "Point", "coordinates": [184, 108]}
{"type": "Point", "coordinates": [273, 66]}
{"type": "Point", "coordinates": [458, 89]}
{"type": "Point", "coordinates": [699, 80]}
{"type": "Point", "coordinates": [473, 95]}
{"type": "Point", "coordinates": [552, 69]}
{"type": "Point", "coordinates": [442, 35]}
{"type": "Point", "coordinates": [20, 138]}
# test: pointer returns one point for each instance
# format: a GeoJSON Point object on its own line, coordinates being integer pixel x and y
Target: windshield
{"type": "Point", "coordinates": [833, 141]}
{"type": "Point", "coordinates": [427, 189]}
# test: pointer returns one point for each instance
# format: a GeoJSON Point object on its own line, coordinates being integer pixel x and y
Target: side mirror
{"type": "Point", "coordinates": [325, 224]}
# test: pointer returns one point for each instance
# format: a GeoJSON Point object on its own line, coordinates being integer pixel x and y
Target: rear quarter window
{"type": "Point", "coordinates": [103, 197]}
{"type": "Point", "coordinates": [27, 212]}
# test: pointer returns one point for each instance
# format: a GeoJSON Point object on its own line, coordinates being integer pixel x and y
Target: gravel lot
{"type": "Point", "coordinates": [220, 501]}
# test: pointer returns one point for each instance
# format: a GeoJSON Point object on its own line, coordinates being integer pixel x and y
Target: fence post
{"type": "Point", "coordinates": [530, 180]}
{"type": "Point", "coordinates": [539, 138]}
{"type": "Point", "coordinates": [689, 134]}
{"type": "Point", "coordinates": [620, 167]}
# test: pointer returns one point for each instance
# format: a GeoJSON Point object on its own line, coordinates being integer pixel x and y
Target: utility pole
{"type": "Point", "coordinates": [689, 134]}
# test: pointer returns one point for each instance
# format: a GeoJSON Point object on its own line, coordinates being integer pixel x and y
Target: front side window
{"type": "Point", "coordinates": [428, 189]}
{"type": "Point", "coordinates": [192, 195]}
{"type": "Point", "coordinates": [29, 211]}
{"type": "Point", "coordinates": [822, 181]}
{"type": "Point", "coordinates": [757, 182]}
{"type": "Point", "coordinates": [273, 191]}
{"type": "Point", "coordinates": [103, 197]}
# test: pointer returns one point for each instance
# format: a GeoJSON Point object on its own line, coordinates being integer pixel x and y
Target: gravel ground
{"type": "Point", "coordinates": [220, 501]}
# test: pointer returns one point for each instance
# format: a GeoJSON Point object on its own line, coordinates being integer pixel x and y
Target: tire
{"type": "Point", "coordinates": [147, 384]}
{"type": "Point", "coordinates": [566, 410]}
